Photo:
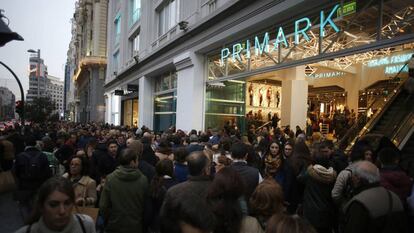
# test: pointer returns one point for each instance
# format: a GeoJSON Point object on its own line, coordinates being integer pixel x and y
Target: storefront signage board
{"type": "Point", "coordinates": [301, 27]}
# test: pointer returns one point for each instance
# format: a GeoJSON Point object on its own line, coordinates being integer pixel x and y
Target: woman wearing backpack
{"type": "Point", "coordinates": [53, 210]}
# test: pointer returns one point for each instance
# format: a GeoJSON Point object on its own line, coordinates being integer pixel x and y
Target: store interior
{"type": "Point", "coordinates": [343, 87]}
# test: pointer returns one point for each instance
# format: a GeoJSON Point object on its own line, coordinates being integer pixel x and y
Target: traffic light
{"type": "Point", "coordinates": [19, 107]}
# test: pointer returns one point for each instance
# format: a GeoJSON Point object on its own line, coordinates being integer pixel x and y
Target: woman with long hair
{"type": "Point", "coordinates": [277, 167]}
{"type": "Point", "coordinates": [53, 210]}
{"type": "Point", "coordinates": [224, 196]}
{"type": "Point", "coordinates": [83, 185]}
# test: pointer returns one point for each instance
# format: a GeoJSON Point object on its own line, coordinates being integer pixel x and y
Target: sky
{"type": "Point", "coordinates": [44, 25]}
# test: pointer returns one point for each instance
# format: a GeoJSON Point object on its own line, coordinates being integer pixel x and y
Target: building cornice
{"type": "Point", "coordinates": [87, 62]}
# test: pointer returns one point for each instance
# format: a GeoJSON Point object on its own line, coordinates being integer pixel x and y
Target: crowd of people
{"type": "Point", "coordinates": [212, 181]}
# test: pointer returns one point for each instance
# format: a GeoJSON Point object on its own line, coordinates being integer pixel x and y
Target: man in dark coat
{"type": "Point", "coordinates": [251, 176]}
{"type": "Point", "coordinates": [373, 208]}
{"type": "Point", "coordinates": [198, 180]}
{"type": "Point", "coordinates": [124, 196]}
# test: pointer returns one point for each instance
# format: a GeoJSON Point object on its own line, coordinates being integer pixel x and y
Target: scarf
{"type": "Point", "coordinates": [273, 164]}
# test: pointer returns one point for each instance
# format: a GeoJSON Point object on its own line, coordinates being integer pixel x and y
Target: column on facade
{"type": "Point", "coordinates": [107, 97]}
{"type": "Point", "coordinates": [294, 97]}
{"type": "Point", "coordinates": [145, 102]}
{"type": "Point", "coordinates": [96, 101]}
{"type": "Point", "coordinates": [352, 87]}
{"type": "Point", "coordinates": [190, 91]}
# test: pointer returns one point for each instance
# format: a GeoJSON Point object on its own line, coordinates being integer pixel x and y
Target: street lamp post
{"type": "Point", "coordinates": [6, 35]}
{"type": "Point", "coordinates": [21, 90]}
{"type": "Point", "coordinates": [38, 70]}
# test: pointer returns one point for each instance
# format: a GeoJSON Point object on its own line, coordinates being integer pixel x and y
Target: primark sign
{"type": "Point", "coordinates": [302, 26]}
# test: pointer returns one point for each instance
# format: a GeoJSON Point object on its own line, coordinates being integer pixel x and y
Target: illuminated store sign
{"type": "Point", "coordinates": [332, 74]}
{"type": "Point", "coordinates": [301, 27]}
{"type": "Point", "coordinates": [349, 8]}
{"type": "Point", "coordinates": [392, 63]}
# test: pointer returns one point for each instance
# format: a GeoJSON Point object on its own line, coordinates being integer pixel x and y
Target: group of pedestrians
{"type": "Point", "coordinates": [213, 181]}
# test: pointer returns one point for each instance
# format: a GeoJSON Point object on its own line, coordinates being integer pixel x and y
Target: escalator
{"type": "Point", "coordinates": [393, 115]}
{"type": "Point", "coordinates": [391, 119]}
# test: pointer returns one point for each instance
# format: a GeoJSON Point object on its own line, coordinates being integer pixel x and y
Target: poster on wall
{"type": "Point", "coordinates": [263, 100]}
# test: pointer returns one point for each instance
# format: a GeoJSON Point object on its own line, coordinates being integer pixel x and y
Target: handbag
{"type": "Point", "coordinates": [90, 211]}
{"type": "Point", "coordinates": [7, 182]}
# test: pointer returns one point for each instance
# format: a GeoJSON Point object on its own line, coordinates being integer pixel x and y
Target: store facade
{"type": "Point", "coordinates": [254, 61]}
{"type": "Point", "coordinates": [315, 64]}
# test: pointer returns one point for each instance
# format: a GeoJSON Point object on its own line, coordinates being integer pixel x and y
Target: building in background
{"type": "Point", "coordinates": [54, 90]}
{"type": "Point", "coordinates": [87, 62]}
{"type": "Point", "coordinates": [37, 77]}
{"type": "Point", "coordinates": [126, 24]}
{"type": "Point", "coordinates": [7, 104]}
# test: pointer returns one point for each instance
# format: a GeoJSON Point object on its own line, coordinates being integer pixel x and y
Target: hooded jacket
{"type": "Point", "coordinates": [318, 207]}
{"type": "Point", "coordinates": [123, 199]}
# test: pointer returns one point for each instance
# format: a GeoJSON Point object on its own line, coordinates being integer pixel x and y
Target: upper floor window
{"type": "Point", "coordinates": [117, 26]}
{"type": "Point", "coordinates": [134, 45]}
{"type": "Point", "coordinates": [167, 81]}
{"type": "Point", "coordinates": [168, 16]}
{"type": "Point", "coordinates": [115, 62]}
{"type": "Point", "coordinates": [135, 11]}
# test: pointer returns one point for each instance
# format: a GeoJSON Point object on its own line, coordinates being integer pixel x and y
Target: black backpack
{"type": "Point", "coordinates": [32, 166]}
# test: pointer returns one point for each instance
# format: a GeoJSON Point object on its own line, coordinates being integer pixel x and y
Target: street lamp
{"type": "Point", "coordinates": [37, 69]}
{"type": "Point", "coordinates": [6, 35]}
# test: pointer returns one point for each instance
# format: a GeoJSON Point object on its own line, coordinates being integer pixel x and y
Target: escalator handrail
{"type": "Point", "coordinates": [258, 128]}
{"type": "Point", "coordinates": [356, 127]}
{"type": "Point", "coordinates": [403, 130]}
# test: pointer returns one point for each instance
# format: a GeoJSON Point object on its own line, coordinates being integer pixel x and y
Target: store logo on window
{"type": "Point", "coordinates": [332, 74]}
{"type": "Point", "coordinates": [392, 64]}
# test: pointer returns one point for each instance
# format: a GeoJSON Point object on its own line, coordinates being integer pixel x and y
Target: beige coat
{"type": "Point", "coordinates": [85, 188]}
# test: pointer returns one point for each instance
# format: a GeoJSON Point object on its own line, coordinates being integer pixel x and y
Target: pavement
{"type": "Point", "coordinates": [10, 218]}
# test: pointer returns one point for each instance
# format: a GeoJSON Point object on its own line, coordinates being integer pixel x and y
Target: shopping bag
{"type": "Point", "coordinates": [90, 211]}
{"type": "Point", "coordinates": [7, 182]}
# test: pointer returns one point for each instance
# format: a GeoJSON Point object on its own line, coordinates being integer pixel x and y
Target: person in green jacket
{"type": "Point", "coordinates": [124, 196]}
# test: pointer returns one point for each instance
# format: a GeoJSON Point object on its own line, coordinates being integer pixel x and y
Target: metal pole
{"type": "Point", "coordinates": [38, 73]}
{"type": "Point", "coordinates": [21, 91]}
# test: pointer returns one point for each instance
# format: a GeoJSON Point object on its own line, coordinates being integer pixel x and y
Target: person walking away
{"type": "Point", "coordinates": [124, 196]}
{"type": "Point", "coordinates": [31, 169]}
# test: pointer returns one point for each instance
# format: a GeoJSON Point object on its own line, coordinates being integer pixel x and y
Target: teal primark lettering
{"type": "Point", "coordinates": [261, 43]}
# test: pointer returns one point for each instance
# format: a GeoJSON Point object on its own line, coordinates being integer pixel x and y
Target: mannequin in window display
{"type": "Point", "coordinates": [260, 96]}
{"type": "Point", "coordinates": [277, 99]}
{"type": "Point", "coordinates": [269, 96]}
{"type": "Point", "coordinates": [251, 94]}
